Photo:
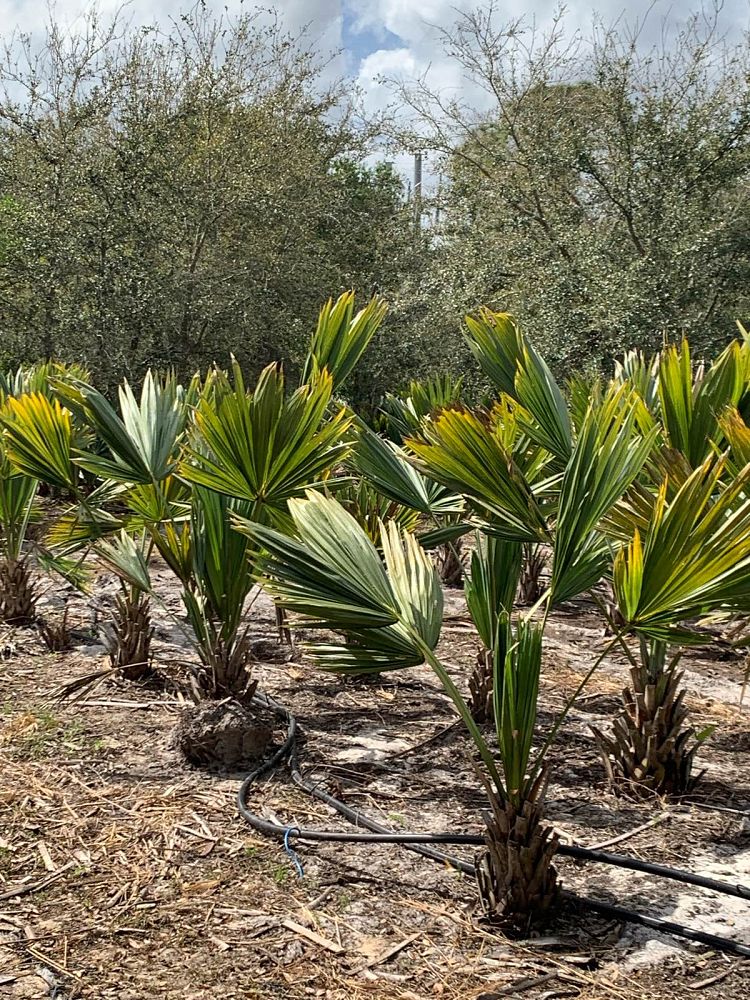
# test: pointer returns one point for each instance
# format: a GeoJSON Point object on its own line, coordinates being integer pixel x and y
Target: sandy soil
{"type": "Point", "coordinates": [126, 874]}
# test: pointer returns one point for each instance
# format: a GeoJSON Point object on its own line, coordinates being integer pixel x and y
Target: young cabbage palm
{"type": "Point", "coordinates": [18, 494]}
{"type": "Point", "coordinates": [694, 560]}
{"type": "Point", "coordinates": [135, 472]}
{"type": "Point", "coordinates": [389, 613]}
{"type": "Point", "coordinates": [18, 594]}
{"type": "Point", "coordinates": [176, 463]}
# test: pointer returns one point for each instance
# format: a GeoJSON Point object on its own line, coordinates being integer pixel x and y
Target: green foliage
{"type": "Point", "coordinates": [516, 370]}
{"type": "Point", "coordinates": [608, 455]}
{"type": "Point", "coordinates": [387, 467]}
{"type": "Point", "coordinates": [695, 557]}
{"type": "Point", "coordinates": [463, 451]}
{"type": "Point", "coordinates": [266, 447]}
{"type": "Point", "coordinates": [184, 195]}
{"type": "Point", "coordinates": [491, 587]}
{"type": "Point", "coordinates": [404, 414]}
{"type": "Point", "coordinates": [341, 337]}
{"type": "Point", "coordinates": [598, 191]}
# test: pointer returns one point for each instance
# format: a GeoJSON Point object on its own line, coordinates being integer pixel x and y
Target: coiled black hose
{"type": "Point", "coordinates": [416, 842]}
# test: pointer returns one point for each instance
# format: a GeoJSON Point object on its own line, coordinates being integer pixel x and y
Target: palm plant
{"type": "Point", "coordinates": [171, 483]}
{"type": "Point", "coordinates": [18, 594]}
{"type": "Point", "coordinates": [18, 494]}
{"type": "Point", "coordinates": [135, 471]}
{"type": "Point", "coordinates": [698, 413]}
{"type": "Point", "coordinates": [389, 613]}
{"type": "Point", "coordinates": [694, 561]}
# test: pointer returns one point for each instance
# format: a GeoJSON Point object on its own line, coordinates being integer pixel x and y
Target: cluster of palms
{"type": "Point", "coordinates": [635, 491]}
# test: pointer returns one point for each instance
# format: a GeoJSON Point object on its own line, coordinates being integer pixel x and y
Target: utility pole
{"type": "Point", "coordinates": [418, 191]}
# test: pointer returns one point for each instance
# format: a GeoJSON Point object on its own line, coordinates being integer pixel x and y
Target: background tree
{"type": "Point", "coordinates": [596, 187]}
{"type": "Point", "coordinates": [168, 198]}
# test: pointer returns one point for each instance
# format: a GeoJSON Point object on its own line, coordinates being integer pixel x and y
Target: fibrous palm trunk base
{"type": "Point", "coordinates": [516, 878]}
{"type": "Point", "coordinates": [530, 583]}
{"type": "Point", "coordinates": [226, 671]}
{"type": "Point", "coordinates": [651, 749]}
{"type": "Point", "coordinates": [130, 637]}
{"type": "Point", "coordinates": [481, 683]}
{"type": "Point", "coordinates": [17, 593]}
{"type": "Point", "coordinates": [450, 566]}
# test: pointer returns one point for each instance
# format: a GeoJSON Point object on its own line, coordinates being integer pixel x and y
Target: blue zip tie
{"type": "Point", "coordinates": [291, 852]}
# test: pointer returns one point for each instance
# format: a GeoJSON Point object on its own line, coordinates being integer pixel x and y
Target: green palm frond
{"type": "Point", "coordinates": [694, 558]}
{"type": "Point", "coordinates": [371, 508]}
{"type": "Point", "coordinates": [404, 413]}
{"type": "Point", "coordinates": [642, 374]}
{"type": "Point", "coordinates": [491, 587]}
{"type": "Point", "coordinates": [143, 440]}
{"type": "Point", "coordinates": [388, 468]}
{"type": "Point", "coordinates": [737, 435]}
{"type": "Point", "coordinates": [38, 378]}
{"type": "Point", "coordinates": [39, 438]}
{"type": "Point", "coordinates": [341, 337]}
{"type": "Point", "coordinates": [17, 495]}
{"type": "Point", "coordinates": [461, 450]}
{"type": "Point", "coordinates": [127, 558]}
{"type": "Point", "coordinates": [515, 368]}
{"type": "Point", "coordinates": [692, 405]}
{"type": "Point", "coordinates": [516, 695]}
{"type": "Point", "coordinates": [264, 447]}
{"type": "Point", "coordinates": [331, 571]}
{"type": "Point", "coordinates": [222, 568]}
{"type": "Point", "coordinates": [607, 457]}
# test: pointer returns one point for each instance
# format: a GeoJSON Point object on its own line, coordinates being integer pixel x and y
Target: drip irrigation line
{"type": "Point", "coordinates": [651, 868]}
{"type": "Point", "coordinates": [657, 924]}
{"type": "Point", "coordinates": [380, 834]}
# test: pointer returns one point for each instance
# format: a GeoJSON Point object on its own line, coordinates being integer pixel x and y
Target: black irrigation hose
{"type": "Point", "coordinates": [413, 841]}
{"type": "Point", "coordinates": [650, 868]}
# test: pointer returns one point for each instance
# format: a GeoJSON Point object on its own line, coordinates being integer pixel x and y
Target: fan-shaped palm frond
{"type": "Point", "coordinates": [264, 447]}
{"type": "Point", "coordinates": [694, 558]}
{"type": "Point", "coordinates": [461, 450]}
{"type": "Point", "coordinates": [143, 441]}
{"type": "Point", "coordinates": [341, 337]}
{"type": "Point", "coordinates": [608, 455]}
{"type": "Point", "coordinates": [404, 413]}
{"type": "Point", "coordinates": [515, 368]}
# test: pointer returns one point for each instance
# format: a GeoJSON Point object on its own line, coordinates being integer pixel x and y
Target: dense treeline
{"type": "Point", "coordinates": [596, 187]}
{"type": "Point", "coordinates": [166, 201]}
{"type": "Point", "coordinates": [169, 197]}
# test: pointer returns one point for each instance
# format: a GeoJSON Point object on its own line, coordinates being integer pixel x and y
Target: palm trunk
{"type": "Point", "coordinates": [449, 563]}
{"type": "Point", "coordinates": [651, 749]}
{"type": "Point", "coordinates": [17, 593]}
{"type": "Point", "coordinates": [530, 584]}
{"type": "Point", "coordinates": [226, 670]}
{"type": "Point", "coordinates": [132, 632]}
{"type": "Point", "coordinates": [481, 683]}
{"type": "Point", "coordinates": [516, 878]}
